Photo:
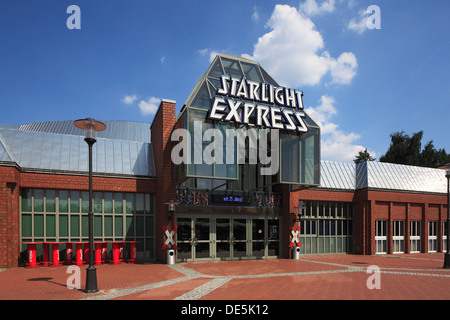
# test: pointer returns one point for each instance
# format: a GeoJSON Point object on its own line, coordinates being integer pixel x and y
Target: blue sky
{"type": "Point", "coordinates": [360, 84]}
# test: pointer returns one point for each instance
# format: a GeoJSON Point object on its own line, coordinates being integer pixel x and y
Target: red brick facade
{"type": "Point", "coordinates": [372, 205]}
{"type": "Point", "coordinates": [368, 205]}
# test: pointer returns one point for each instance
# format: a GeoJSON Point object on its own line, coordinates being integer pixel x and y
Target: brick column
{"type": "Point", "coordinates": [161, 130]}
{"type": "Point", "coordinates": [9, 217]}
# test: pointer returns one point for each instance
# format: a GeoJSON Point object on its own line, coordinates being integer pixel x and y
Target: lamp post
{"type": "Point", "coordinates": [447, 254]}
{"type": "Point", "coordinates": [90, 126]}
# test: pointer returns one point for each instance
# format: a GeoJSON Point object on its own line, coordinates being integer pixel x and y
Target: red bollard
{"type": "Point", "coordinates": [55, 255]}
{"type": "Point", "coordinates": [117, 249]}
{"type": "Point", "coordinates": [86, 252]}
{"type": "Point", "coordinates": [31, 253]}
{"type": "Point", "coordinates": [104, 252]}
{"type": "Point", "coordinates": [79, 253]}
{"type": "Point", "coordinates": [69, 253]}
{"type": "Point", "coordinates": [46, 254]}
{"type": "Point", "coordinates": [132, 252]}
{"type": "Point", "coordinates": [98, 253]}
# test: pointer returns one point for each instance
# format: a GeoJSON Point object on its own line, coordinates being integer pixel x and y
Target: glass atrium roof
{"type": "Point", "coordinates": [236, 67]}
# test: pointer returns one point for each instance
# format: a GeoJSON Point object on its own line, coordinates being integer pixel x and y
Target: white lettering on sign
{"type": "Point", "coordinates": [267, 106]}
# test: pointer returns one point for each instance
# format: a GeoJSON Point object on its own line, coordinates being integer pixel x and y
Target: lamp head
{"type": "Point", "coordinates": [90, 126]}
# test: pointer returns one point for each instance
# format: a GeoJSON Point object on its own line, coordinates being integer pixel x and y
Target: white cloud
{"type": "Point", "coordinates": [293, 52]}
{"type": "Point", "coordinates": [206, 51]}
{"type": "Point", "coordinates": [344, 68]}
{"type": "Point", "coordinates": [336, 145]}
{"type": "Point", "coordinates": [150, 106]}
{"type": "Point", "coordinates": [129, 99]}
{"type": "Point", "coordinates": [359, 25]}
{"type": "Point", "coordinates": [202, 52]}
{"type": "Point", "coordinates": [310, 7]}
{"type": "Point", "coordinates": [255, 15]}
{"type": "Point", "coordinates": [163, 60]}
{"type": "Point", "coordinates": [351, 4]}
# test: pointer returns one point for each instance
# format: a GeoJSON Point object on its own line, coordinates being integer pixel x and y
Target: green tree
{"type": "Point", "coordinates": [405, 149]}
{"type": "Point", "coordinates": [363, 156]}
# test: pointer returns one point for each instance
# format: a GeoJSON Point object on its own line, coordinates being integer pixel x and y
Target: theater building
{"type": "Point", "coordinates": [241, 160]}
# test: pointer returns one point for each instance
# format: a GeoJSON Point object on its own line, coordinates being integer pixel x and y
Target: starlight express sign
{"type": "Point", "coordinates": [264, 105]}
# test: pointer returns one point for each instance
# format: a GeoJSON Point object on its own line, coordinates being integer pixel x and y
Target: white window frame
{"type": "Point", "coordinates": [398, 236]}
{"type": "Point", "coordinates": [415, 236]}
{"type": "Point", "coordinates": [432, 236]}
{"type": "Point", "coordinates": [444, 236]}
{"type": "Point", "coordinates": [381, 236]}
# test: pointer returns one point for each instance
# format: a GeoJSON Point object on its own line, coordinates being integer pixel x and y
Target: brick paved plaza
{"type": "Point", "coordinates": [342, 277]}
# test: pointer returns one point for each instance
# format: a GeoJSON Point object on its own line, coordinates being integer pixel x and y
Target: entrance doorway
{"type": "Point", "coordinates": [227, 238]}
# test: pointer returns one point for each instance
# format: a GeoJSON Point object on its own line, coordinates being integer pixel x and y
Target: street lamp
{"type": "Point", "coordinates": [171, 205]}
{"type": "Point", "coordinates": [300, 208]}
{"type": "Point", "coordinates": [90, 126]}
{"type": "Point", "coordinates": [447, 254]}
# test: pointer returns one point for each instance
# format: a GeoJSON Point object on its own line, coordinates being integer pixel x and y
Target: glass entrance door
{"type": "Point", "coordinates": [231, 238]}
{"type": "Point", "coordinates": [265, 241]}
{"type": "Point", "coordinates": [201, 238]}
{"type": "Point", "coordinates": [193, 238]}
{"type": "Point", "coordinates": [227, 238]}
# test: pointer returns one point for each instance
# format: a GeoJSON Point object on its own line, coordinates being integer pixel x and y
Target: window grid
{"type": "Point", "coordinates": [326, 227]}
{"type": "Point", "coordinates": [62, 216]}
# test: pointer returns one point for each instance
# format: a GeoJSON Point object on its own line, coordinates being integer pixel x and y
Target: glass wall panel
{"type": "Point", "coordinates": [50, 203]}
{"type": "Point", "coordinates": [232, 68]}
{"type": "Point", "coordinates": [63, 201]}
{"type": "Point", "coordinates": [227, 145]}
{"type": "Point", "coordinates": [108, 227]}
{"type": "Point", "coordinates": [107, 202]}
{"type": "Point", "coordinates": [118, 226]}
{"type": "Point", "coordinates": [26, 200]}
{"type": "Point", "coordinates": [50, 225]}
{"type": "Point", "coordinates": [252, 72]}
{"type": "Point", "coordinates": [202, 99]}
{"type": "Point", "coordinates": [290, 161]}
{"type": "Point", "coordinates": [63, 225]}
{"type": "Point", "coordinates": [129, 198]}
{"type": "Point", "coordinates": [310, 157]}
{"type": "Point", "coordinates": [38, 200]}
{"type": "Point", "coordinates": [84, 201]}
{"type": "Point", "coordinates": [139, 203]}
{"type": "Point", "coordinates": [75, 226]}
{"type": "Point", "coordinates": [148, 205]}
{"type": "Point", "coordinates": [118, 202]}
{"type": "Point", "coordinates": [27, 225]}
{"type": "Point", "coordinates": [196, 127]}
{"type": "Point", "coordinates": [38, 225]}
{"type": "Point", "coordinates": [97, 202]}
{"type": "Point", "coordinates": [216, 70]}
